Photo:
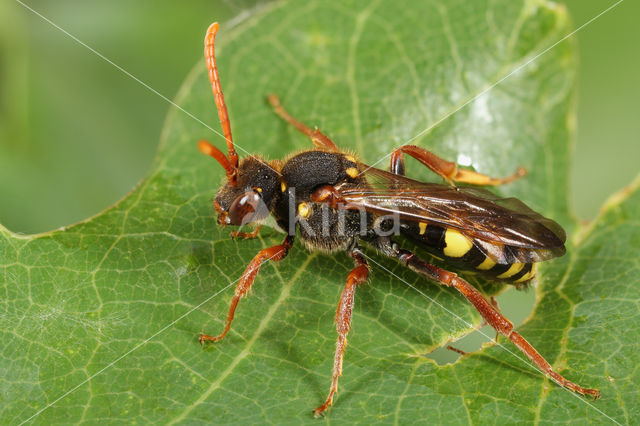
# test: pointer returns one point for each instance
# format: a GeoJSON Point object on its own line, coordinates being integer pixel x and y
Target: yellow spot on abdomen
{"type": "Point", "coordinates": [514, 269]}
{"type": "Point", "coordinates": [352, 172]}
{"type": "Point", "coordinates": [423, 227]}
{"type": "Point", "coordinates": [487, 264]}
{"type": "Point", "coordinates": [456, 244]}
{"type": "Point", "coordinates": [304, 210]}
{"type": "Point", "coordinates": [283, 186]}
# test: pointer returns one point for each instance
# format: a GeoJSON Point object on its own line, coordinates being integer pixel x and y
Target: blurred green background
{"type": "Point", "coordinates": [76, 134]}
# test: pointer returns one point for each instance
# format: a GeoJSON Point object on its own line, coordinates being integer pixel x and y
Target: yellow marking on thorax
{"type": "Point", "coordinates": [456, 244]}
{"type": "Point", "coordinates": [423, 227]}
{"type": "Point", "coordinates": [283, 186]}
{"type": "Point", "coordinates": [513, 269]}
{"type": "Point", "coordinates": [528, 275]}
{"type": "Point", "coordinates": [350, 158]}
{"type": "Point", "coordinates": [304, 210]}
{"type": "Point", "coordinates": [486, 264]}
{"type": "Point", "coordinates": [352, 172]}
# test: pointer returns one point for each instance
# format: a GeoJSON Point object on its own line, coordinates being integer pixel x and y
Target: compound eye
{"type": "Point", "coordinates": [243, 209]}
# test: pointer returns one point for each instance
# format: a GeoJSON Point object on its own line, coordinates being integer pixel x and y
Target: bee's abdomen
{"type": "Point", "coordinates": [456, 248]}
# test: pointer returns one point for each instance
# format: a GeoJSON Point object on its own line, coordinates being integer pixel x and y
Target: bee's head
{"type": "Point", "coordinates": [249, 199]}
{"type": "Point", "coordinates": [251, 184]}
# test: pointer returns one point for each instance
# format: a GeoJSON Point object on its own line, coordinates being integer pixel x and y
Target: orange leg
{"type": "Point", "coordinates": [246, 235]}
{"type": "Point", "coordinates": [448, 170]}
{"type": "Point", "coordinates": [319, 139]}
{"type": "Point", "coordinates": [491, 316]}
{"type": "Point", "coordinates": [276, 253]}
{"type": "Point", "coordinates": [494, 303]}
{"type": "Point", "coordinates": [358, 275]}
{"type": "Point", "coordinates": [456, 350]}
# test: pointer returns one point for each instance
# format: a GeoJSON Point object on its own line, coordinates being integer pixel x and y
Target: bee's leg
{"type": "Point", "coordinates": [319, 139]}
{"type": "Point", "coordinates": [358, 275]}
{"type": "Point", "coordinates": [246, 235]}
{"type": "Point", "coordinates": [490, 314]}
{"type": "Point", "coordinates": [456, 350]}
{"type": "Point", "coordinates": [276, 253]}
{"type": "Point", "coordinates": [448, 170]}
{"type": "Point", "coordinates": [494, 303]}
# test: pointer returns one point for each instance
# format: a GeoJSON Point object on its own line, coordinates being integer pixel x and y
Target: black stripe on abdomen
{"type": "Point", "coordinates": [525, 270]}
{"type": "Point", "coordinates": [433, 236]}
{"type": "Point", "coordinates": [501, 268]}
{"type": "Point", "coordinates": [470, 254]}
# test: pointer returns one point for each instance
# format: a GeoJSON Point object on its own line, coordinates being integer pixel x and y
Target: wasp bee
{"type": "Point", "coordinates": [332, 202]}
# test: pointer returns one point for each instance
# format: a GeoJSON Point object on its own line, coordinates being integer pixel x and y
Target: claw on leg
{"type": "Point", "coordinates": [456, 350]}
{"type": "Point", "coordinates": [246, 235]}
{"type": "Point", "coordinates": [206, 338]}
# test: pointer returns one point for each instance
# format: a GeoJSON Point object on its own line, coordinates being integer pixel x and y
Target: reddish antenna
{"type": "Point", "coordinates": [230, 164]}
{"type": "Point", "coordinates": [206, 148]}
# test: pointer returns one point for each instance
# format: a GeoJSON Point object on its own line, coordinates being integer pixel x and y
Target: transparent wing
{"type": "Point", "coordinates": [476, 212]}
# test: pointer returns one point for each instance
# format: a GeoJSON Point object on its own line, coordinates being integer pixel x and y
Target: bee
{"type": "Point", "coordinates": [333, 202]}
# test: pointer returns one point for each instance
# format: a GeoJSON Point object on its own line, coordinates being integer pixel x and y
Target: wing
{"type": "Point", "coordinates": [477, 213]}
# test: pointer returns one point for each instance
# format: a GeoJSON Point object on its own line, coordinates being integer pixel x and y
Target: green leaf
{"type": "Point", "coordinates": [100, 320]}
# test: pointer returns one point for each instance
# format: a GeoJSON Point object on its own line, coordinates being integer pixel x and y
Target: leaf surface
{"type": "Point", "coordinates": [99, 321]}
